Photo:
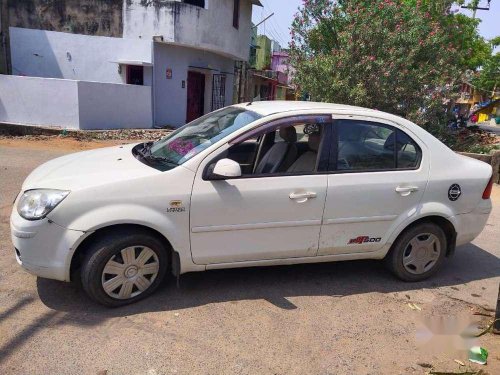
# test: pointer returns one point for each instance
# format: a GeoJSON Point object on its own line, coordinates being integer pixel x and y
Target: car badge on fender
{"type": "Point", "coordinates": [176, 206]}
{"type": "Point", "coordinates": [454, 192]}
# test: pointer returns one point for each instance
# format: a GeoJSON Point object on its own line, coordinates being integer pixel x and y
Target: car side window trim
{"type": "Point", "coordinates": [275, 124]}
{"type": "Point", "coordinates": [324, 151]}
{"type": "Point", "coordinates": [333, 159]}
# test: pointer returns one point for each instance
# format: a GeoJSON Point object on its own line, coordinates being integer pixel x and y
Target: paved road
{"type": "Point", "coordinates": [339, 318]}
{"type": "Point", "coordinates": [494, 129]}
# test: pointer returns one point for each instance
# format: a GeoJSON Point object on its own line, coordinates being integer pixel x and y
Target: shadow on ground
{"type": "Point", "coordinates": [70, 306]}
{"type": "Point", "coordinates": [273, 284]}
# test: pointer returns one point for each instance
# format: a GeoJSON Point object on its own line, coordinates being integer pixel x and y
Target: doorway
{"type": "Point", "coordinates": [195, 96]}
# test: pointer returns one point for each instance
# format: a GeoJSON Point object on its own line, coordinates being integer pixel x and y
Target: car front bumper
{"type": "Point", "coordinates": [43, 247]}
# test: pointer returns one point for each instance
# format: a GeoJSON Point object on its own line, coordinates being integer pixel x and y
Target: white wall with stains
{"type": "Point", "coordinates": [188, 25]}
{"type": "Point", "coordinates": [40, 53]}
{"type": "Point", "coordinates": [194, 38]}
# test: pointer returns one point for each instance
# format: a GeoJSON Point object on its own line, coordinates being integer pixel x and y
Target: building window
{"type": "Point", "coordinates": [198, 3]}
{"type": "Point", "coordinates": [135, 75]}
{"type": "Point", "coordinates": [236, 14]}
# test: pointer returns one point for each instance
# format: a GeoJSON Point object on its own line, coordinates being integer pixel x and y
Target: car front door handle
{"type": "Point", "coordinates": [406, 190]}
{"type": "Point", "coordinates": [302, 197]}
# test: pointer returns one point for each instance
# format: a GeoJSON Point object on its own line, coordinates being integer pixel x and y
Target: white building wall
{"type": "Point", "coordinates": [74, 104]}
{"type": "Point", "coordinates": [184, 24]}
{"type": "Point", "coordinates": [198, 39]}
{"type": "Point", "coordinates": [39, 101]}
{"type": "Point", "coordinates": [169, 95]}
{"type": "Point", "coordinates": [40, 53]}
{"type": "Point", "coordinates": [114, 106]}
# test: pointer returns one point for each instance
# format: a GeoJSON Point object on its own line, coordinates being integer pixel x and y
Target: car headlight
{"type": "Point", "coordinates": [36, 204]}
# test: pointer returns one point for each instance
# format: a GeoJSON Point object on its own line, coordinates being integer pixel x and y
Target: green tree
{"type": "Point", "coordinates": [488, 78]}
{"type": "Point", "coordinates": [401, 57]}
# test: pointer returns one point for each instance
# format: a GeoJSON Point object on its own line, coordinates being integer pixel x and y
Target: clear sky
{"type": "Point", "coordinates": [278, 26]}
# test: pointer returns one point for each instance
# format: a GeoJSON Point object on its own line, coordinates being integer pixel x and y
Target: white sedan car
{"type": "Point", "coordinates": [254, 184]}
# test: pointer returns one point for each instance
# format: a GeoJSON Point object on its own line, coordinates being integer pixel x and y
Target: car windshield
{"type": "Point", "coordinates": [192, 138]}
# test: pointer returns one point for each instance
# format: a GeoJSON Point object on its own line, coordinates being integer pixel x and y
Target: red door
{"type": "Point", "coordinates": [195, 95]}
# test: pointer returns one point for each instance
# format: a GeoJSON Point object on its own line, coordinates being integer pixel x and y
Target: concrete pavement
{"type": "Point", "coordinates": [338, 318]}
{"type": "Point", "coordinates": [493, 129]}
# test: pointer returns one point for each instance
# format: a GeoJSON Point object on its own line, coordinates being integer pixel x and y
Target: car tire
{"type": "Point", "coordinates": [418, 252]}
{"type": "Point", "coordinates": [135, 263]}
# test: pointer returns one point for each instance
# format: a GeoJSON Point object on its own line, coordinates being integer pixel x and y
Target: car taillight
{"type": "Point", "coordinates": [489, 187]}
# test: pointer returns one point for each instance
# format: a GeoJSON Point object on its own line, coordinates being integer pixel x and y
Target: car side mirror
{"type": "Point", "coordinates": [226, 168]}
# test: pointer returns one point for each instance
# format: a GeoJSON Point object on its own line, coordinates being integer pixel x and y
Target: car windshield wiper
{"type": "Point", "coordinates": [161, 159]}
{"type": "Point", "coordinates": [145, 150]}
{"type": "Point", "coordinates": [145, 153]}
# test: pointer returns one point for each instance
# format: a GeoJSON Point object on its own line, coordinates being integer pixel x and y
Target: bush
{"type": "Point", "coordinates": [470, 139]}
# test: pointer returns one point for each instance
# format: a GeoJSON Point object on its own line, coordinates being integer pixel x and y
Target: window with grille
{"type": "Point", "coordinates": [218, 91]}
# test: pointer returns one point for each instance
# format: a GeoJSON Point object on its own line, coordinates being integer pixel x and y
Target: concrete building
{"type": "Point", "coordinates": [270, 77]}
{"type": "Point", "coordinates": [275, 46]}
{"type": "Point", "coordinates": [280, 62]}
{"type": "Point", "coordinates": [122, 63]}
{"type": "Point", "coordinates": [263, 53]}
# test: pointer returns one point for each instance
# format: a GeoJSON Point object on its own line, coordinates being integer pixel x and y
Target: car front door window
{"type": "Point", "coordinates": [285, 148]}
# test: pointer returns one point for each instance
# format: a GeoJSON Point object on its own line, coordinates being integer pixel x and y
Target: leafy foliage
{"type": "Point", "coordinates": [403, 57]}
{"type": "Point", "coordinates": [489, 76]}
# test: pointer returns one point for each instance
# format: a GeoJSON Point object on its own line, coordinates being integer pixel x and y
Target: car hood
{"type": "Point", "coordinates": [88, 168]}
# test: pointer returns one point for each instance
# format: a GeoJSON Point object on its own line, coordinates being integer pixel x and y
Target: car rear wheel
{"type": "Point", "coordinates": [123, 268]}
{"type": "Point", "coordinates": [418, 252]}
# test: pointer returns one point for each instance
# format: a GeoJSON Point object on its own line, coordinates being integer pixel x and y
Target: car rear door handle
{"type": "Point", "coordinates": [406, 190]}
{"type": "Point", "coordinates": [302, 197]}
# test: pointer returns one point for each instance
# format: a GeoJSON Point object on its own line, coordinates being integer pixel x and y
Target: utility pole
{"type": "Point", "coordinates": [496, 322]}
{"type": "Point", "coordinates": [474, 5]}
{"type": "Point", "coordinates": [5, 62]}
{"type": "Point", "coordinates": [264, 20]}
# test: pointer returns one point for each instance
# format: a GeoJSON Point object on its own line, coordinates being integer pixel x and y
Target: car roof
{"type": "Point", "coordinates": [267, 108]}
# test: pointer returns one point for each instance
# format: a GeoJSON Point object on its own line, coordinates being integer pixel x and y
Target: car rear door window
{"type": "Point", "coordinates": [371, 146]}
{"type": "Point", "coordinates": [409, 153]}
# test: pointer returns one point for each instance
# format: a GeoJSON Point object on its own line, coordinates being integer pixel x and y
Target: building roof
{"type": "Point", "coordinates": [266, 108]}
{"type": "Point", "coordinates": [132, 62]}
{"type": "Point", "coordinates": [281, 53]}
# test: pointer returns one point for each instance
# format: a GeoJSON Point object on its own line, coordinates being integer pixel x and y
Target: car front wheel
{"type": "Point", "coordinates": [418, 252]}
{"type": "Point", "coordinates": [123, 268]}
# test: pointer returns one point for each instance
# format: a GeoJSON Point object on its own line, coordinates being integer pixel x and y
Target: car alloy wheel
{"type": "Point", "coordinates": [130, 272]}
{"type": "Point", "coordinates": [421, 253]}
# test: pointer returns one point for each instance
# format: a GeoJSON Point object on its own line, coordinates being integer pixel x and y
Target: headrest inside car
{"type": "Point", "coordinates": [313, 142]}
{"type": "Point", "coordinates": [288, 134]}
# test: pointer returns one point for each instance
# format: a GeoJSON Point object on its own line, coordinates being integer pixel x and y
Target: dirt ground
{"type": "Point", "coordinates": [56, 143]}
{"type": "Point", "coordinates": [337, 318]}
